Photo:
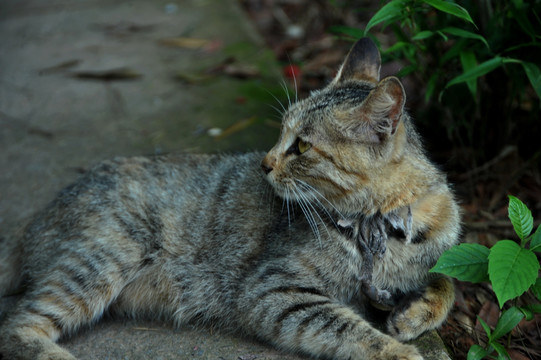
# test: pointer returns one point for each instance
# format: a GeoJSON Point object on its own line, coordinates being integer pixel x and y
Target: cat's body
{"type": "Point", "coordinates": [205, 238]}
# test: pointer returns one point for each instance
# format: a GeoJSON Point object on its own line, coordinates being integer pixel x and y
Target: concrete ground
{"type": "Point", "coordinates": [82, 81]}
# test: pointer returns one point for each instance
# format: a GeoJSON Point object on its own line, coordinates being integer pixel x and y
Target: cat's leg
{"type": "Point", "coordinates": [65, 298]}
{"type": "Point", "coordinates": [304, 320]}
{"type": "Point", "coordinates": [423, 310]}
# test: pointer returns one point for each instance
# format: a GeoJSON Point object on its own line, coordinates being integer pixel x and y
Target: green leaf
{"type": "Point", "coordinates": [521, 217]}
{"type": "Point", "coordinates": [466, 262]}
{"type": "Point", "coordinates": [389, 12]}
{"type": "Point", "coordinates": [431, 86]}
{"type": "Point", "coordinates": [479, 70]}
{"type": "Point", "coordinates": [535, 242]}
{"type": "Point", "coordinates": [406, 70]}
{"type": "Point", "coordinates": [536, 289]}
{"type": "Point", "coordinates": [536, 308]}
{"type": "Point", "coordinates": [534, 75]}
{"type": "Point", "coordinates": [508, 320]}
{"type": "Point", "coordinates": [451, 9]}
{"type": "Point", "coordinates": [465, 34]}
{"type": "Point", "coordinates": [444, 37]}
{"type": "Point", "coordinates": [454, 51]}
{"type": "Point", "coordinates": [501, 350]}
{"type": "Point", "coordinates": [476, 352]}
{"type": "Point", "coordinates": [422, 35]}
{"type": "Point", "coordinates": [528, 313]}
{"type": "Point", "coordinates": [346, 30]}
{"type": "Point", "coordinates": [511, 269]}
{"type": "Point", "coordinates": [485, 327]}
{"type": "Point", "coordinates": [400, 45]}
{"type": "Point", "coordinates": [469, 61]}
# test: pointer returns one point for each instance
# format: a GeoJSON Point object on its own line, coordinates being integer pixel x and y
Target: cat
{"type": "Point", "coordinates": [268, 245]}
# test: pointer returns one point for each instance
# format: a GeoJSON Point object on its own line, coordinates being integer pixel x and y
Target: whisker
{"type": "Point", "coordinates": [271, 198]}
{"type": "Point", "coordinates": [319, 203]}
{"type": "Point", "coordinates": [283, 203]}
{"type": "Point", "coordinates": [280, 112]}
{"type": "Point", "coordinates": [308, 214]}
{"type": "Point", "coordinates": [294, 78]}
{"type": "Point", "coordinates": [304, 196]}
{"type": "Point", "coordinates": [320, 206]}
{"type": "Point", "coordinates": [279, 102]}
{"type": "Point", "coordinates": [315, 191]}
{"type": "Point", "coordinates": [296, 89]}
{"type": "Point", "coordinates": [287, 205]}
{"type": "Point", "coordinates": [284, 86]}
{"type": "Point", "coordinates": [267, 197]}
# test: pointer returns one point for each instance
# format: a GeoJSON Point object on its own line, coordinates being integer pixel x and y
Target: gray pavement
{"type": "Point", "coordinates": [82, 81]}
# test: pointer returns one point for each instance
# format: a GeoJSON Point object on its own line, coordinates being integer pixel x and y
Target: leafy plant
{"type": "Point", "coordinates": [476, 62]}
{"type": "Point", "coordinates": [511, 268]}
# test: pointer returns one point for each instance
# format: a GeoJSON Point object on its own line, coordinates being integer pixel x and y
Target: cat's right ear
{"type": "Point", "coordinates": [363, 62]}
{"type": "Point", "coordinates": [377, 118]}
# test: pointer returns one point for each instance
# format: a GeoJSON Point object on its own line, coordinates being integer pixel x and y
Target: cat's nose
{"type": "Point", "coordinates": [268, 164]}
{"type": "Point", "coordinates": [266, 169]}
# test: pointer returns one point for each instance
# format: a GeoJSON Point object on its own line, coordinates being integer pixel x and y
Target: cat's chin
{"type": "Point", "coordinates": [281, 193]}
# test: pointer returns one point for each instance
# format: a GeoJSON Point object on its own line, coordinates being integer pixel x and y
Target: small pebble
{"type": "Point", "coordinates": [295, 31]}
{"type": "Point", "coordinates": [214, 132]}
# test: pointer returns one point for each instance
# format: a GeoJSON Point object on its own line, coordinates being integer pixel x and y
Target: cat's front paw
{"type": "Point", "coordinates": [422, 311]}
{"type": "Point", "coordinates": [407, 325]}
{"type": "Point", "coordinates": [399, 351]}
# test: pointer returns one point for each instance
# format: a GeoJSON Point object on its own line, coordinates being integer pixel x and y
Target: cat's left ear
{"type": "Point", "coordinates": [363, 62]}
{"type": "Point", "coordinates": [377, 118]}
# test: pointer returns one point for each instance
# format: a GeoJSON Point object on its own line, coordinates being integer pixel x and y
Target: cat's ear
{"type": "Point", "coordinates": [363, 62]}
{"type": "Point", "coordinates": [377, 118]}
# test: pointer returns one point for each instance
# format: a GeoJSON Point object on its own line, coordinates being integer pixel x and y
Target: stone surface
{"type": "Point", "coordinates": [55, 122]}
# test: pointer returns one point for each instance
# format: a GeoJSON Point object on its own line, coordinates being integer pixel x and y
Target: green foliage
{"type": "Point", "coordinates": [477, 352]}
{"type": "Point", "coordinates": [536, 288]}
{"type": "Point", "coordinates": [412, 14]}
{"type": "Point", "coordinates": [476, 59]}
{"type": "Point", "coordinates": [521, 217]}
{"type": "Point", "coordinates": [466, 262]}
{"type": "Point", "coordinates": [512, 269]}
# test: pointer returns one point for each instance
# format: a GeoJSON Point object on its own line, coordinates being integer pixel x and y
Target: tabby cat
{"type": "Point", "coordinates": [205, 238]}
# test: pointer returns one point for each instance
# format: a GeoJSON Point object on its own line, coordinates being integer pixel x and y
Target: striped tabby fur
{"type": "Point", "coordinates": [214, 239]}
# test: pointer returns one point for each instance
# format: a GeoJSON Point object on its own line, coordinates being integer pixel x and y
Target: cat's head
{"type": "Point", "coordinates": [340, 142]}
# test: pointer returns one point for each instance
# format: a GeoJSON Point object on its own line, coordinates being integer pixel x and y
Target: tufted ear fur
{"type": "Point", "coordinates": [377, 118]}
{"type": "Point", "coordinates": [363, 62]}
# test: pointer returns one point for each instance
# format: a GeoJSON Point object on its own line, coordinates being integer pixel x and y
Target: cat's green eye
{"type": "Point", "coordinates": [303, 146]}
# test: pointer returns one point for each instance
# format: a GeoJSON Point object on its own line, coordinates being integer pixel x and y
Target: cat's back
{"type": "Point", "coordinates": [139, 204]}
{"type": "Point", "coordinates": [158, 180]}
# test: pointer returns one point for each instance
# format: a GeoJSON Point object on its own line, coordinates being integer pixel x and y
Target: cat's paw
{"type": "Point", "coordinates": [408, 324]}
{"type": "Point", "coordinates": [399, 351]}
{"type": "Point", "coordinates": [18, 344]}
{"type": "Point", "coordinates": [422, 311]}
{"type": "Point", "coordinates": [383, 348]}
{"type": "Point", "coordinates": [56, 355]}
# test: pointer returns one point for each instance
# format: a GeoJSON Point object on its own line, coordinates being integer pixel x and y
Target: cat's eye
{"type": "Point", "coordinates": [298, 147]}
{"type": "Point", "coordinates": [303, 146]}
